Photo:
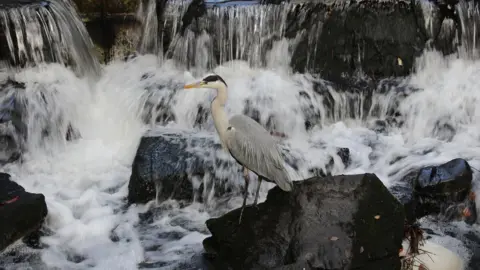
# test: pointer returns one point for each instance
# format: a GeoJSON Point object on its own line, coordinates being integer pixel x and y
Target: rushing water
{"type": "Point", "coordinates": [48, 31]}
{"type": "Point", "coordinates": [85, 180]}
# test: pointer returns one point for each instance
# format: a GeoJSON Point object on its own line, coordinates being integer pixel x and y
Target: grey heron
{"type": "Point", "coordinates": [247, 141]}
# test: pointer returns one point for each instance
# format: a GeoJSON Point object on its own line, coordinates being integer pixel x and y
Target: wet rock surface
{"type": "Point", "coordinates": [444, 190]}
{"type": "Point", "coordinates": [164, 167]}
{"type": "Point", "coordinates": [367, 35]}
{"type": "Point", "coordinates": [21, 212]}
{"type": "Point", "coordinates": [324, 223]}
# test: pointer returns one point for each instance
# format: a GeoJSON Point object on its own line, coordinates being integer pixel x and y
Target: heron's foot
{"type": "Point", "coordinates": [255, 205]}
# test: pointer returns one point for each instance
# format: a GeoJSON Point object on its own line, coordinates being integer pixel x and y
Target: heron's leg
{"type": "Point", "coordinates": [258, 190]}
{"type": "Point", "coordinates": [246, 176]}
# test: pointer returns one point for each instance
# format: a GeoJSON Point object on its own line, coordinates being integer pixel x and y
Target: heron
{"type": "Point", "coordinates": [250, 144]}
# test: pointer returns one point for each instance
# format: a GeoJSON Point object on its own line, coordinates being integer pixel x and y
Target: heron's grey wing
{"type": "Point", "coordinates": [252, 146]}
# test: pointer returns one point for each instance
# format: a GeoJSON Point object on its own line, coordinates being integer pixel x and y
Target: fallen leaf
{"type": "Point", "coordinates": [399, 61]}
{"type": "Point", "coordinates": [377, 217]}
{"type": "Point", "coordinates": [334, 238]}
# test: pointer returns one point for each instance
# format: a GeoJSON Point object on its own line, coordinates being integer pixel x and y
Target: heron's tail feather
{"type": "Point", "coordinates": [283, 180]}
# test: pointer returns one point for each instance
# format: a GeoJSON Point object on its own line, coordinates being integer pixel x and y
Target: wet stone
{"type": "Point", "coordinates": [21, 212]}
{"type": "Point", "coordinates": [444, 191]}
{"type": "Point", "coordinates": [166, 164]}
{"type": "Point", "coordinates": [321, 224]}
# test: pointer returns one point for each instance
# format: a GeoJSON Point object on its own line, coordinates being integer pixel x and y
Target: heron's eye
{"type": "Point", "coordinates": [229, 128]}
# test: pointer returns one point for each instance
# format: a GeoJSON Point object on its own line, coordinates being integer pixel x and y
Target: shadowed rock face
{"type": "Point", "coordinates": [444, 190]}
{"type": "Point", "coordinates": [21, 212]}
{"type": "Point", "coordinates": [163, 168]}
{"type": "Point", "coordinates": [324, 223]}
{"type": "Point", "coordinates": [367, 36]}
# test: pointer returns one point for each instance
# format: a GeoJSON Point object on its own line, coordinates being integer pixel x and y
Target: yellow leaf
{"type": "Point", "coordinates": [399, 61]}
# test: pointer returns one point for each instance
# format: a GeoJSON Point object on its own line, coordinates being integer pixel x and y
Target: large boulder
{"type": "Point", "coordinates": [367, 36]}
{"type": "Point", "coordinates": [445, 189]}
{"type": "Point", "coordinates": [166, 163]}
{"type": "Point", "coordinates": [324, 223]}
{"type": "Point", "coordinates": [21, 212]}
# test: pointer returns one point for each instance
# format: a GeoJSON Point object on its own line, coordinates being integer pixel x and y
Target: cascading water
{"type": "Point", "coordinates": [85, 180]}
{"type": "Point", "coordinates": [45, 31]}
{"type": "Point", "coordinates": [243, 32]}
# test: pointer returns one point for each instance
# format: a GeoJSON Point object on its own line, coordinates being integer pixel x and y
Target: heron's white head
{"type": "Point", "coordinates": [210, 81]}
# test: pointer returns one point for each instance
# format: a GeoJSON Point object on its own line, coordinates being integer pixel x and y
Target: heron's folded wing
{"type": "Point", "coordinates": [251, 145]}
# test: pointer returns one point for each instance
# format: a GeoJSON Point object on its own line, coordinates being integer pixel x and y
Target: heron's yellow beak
{"type": "Point", "coordinates": [193, 85]}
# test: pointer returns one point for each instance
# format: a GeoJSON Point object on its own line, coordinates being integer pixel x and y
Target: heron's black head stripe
{"type": "Point", "coordinates": [214, 78]}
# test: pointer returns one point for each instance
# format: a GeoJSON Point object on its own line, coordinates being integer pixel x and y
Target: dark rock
{"type": "Point", "coordinates": [32, 240]}
{"type": "Point", "coordinates": [438, 186]}
{"type": "Point", "coordinates": [165, 164]}
{"type": "Point", "coordinates": [324, 223]}
{"type": "Point", "coordinates": [195, 10]}
{"type": "Point", "coordinates": [405, 193]}
{"type": "Point", "coordinates": [9, 150]}
{"type": "Point", "coordinates": [355, 41]}
{"type": "Point", "coordinates": [21, 212]}
{"type": "Point", "coordinates": [445, 189]}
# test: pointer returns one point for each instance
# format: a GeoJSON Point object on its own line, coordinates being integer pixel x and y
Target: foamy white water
{"type": "Point", "coordinates": [85, 181]}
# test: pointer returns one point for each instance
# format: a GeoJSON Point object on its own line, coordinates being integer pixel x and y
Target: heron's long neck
{"type": "Point", "coordinates": [220, 118]}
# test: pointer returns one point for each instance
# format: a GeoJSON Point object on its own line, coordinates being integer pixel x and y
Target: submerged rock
{"type": "Point", "coordinates": [324, 223]}
{"type": "Point", "coordinates": [445, 189]}
{"type": "Point", "coordinates": [21, 212]}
